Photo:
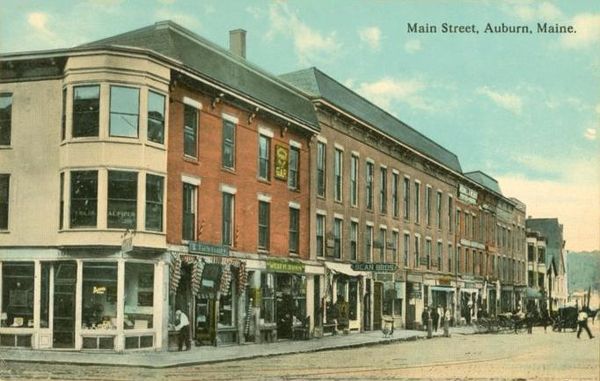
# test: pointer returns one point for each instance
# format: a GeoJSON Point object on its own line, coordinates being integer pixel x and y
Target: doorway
{"type": "Point", "coordinates": [377, 305]}
{"type": "Point", "coordinates": [63, 316]}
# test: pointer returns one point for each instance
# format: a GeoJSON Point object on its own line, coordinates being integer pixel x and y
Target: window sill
{"type": "Point", "coordinates": [190, 159]}
{"type": "Point", "coordinates": [263, 180]}
{"type": "Point", "coordinates": [4, 231]}
{"type": "Point", "coordinates": [6, 147]}
{"type": "Point", "coordinates": [263, 251]}
{"type": "Point", "coordinates": [228, 170]}
{"type": "Point", "coordinates": [158, 146]}
{"type": "Point", "coordinates": [321, 197]}
{"type": "Point", "coordinates": [294, 255]}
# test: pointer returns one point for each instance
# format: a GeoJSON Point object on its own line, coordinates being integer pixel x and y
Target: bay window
{"type": "Point", "coordinates": [84, 199]}
{"type": "Point", "coordinates": [122, 199]}
{"type": "Point", "coordinates": [124, 111]}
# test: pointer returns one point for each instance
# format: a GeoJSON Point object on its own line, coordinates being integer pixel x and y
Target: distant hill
{"type": "Point", "coordinates": [583, 270]}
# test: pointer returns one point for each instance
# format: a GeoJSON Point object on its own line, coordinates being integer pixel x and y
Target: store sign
{"type": "Point", "coordinates": [276, 266]}
{"type": "Point", "coordinates": [127, 245]}
{"type": "Point", "coordinates": [207, 248]}
{"type": "Point", "coordinates": [375, 267]}
{"type": "Point", "coordinates": [281, 162]}
{"type": "Point", "coordinates": [467, 195]}
{"type": "Point", "coordinates": [414, 290]}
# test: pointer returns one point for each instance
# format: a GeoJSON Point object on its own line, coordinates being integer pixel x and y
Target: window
{"type": "Point", "coordinates": [293, 168]}
{"type": "Point", "coordinates": [450, 206]}
{"type": "Point", "coordinates": [86, 107]}
{"type": "Point", "coordinates": [63, 119]}
{"type": "Point", "coordinates": [154, 202]}
{"type": "Point", "coordinates": [459, 266]}
{"type": "Point", "coordinates": [417, 247]}
{"type": "Point", "coordinates": [99, 301]}
{"type": "Point", "coordinates": [406, 248]}
{"type": "Point", "coordinates": [294, 237]}
{"type": "Point", "coordinates": [338, 174]}
{"type": "Point", "coordinates": [428, 256]}
{"type": "Point", "coordinates": [320, 235]}
{"type": "Point", "coordinates": [438, 208]}
{"type": "Point", "coordinates": [383, 190]}
{"type": "Point", "coordinates": [417, 202]}
{"type": "Point", "coordinates": [122, 199]}
{"type": "Point", "coordinates": [228, 148]}
{"type": "Point", "coordinates": [428, 205]}
{"type": "Point", "coordinates": [458, 222]}
{"type": "Point", "coordinates": [264, 157]}
{"type": "Point", "coordinates": [4, 193]}
{"type": "Point", "coordinates": [369, 244]}
{"type": "Point", "coordinates": [354, 180]}
{"type": "Point", "coordinates": [139, 295]}
{"type": "Point", "coordinates": [263, 225]}
{"type": "Point", "coordinates": [190, 131]}
{"type": "Point", "coordinates": [5, 118]}
{"type": "Point", "coordinates": [156, 117]}
{"type": "Point", "coordinates": [439, 256]}
{"type": "Point", "coordinates": [321, 161]}
{"type": "Point", "coordinates": [406, 198]}
{"type": "Point", "coordinates": [189, 212]}
{"type": "Point", "coordinates": [228, 218]}
{"type": "Point", "coordinates": [61, 205]}
{"type": "Point", "coordinates": [395, 183]}
{"type": "Point", "coordinates": [450, 258]}
{"type": "Point", "coordinates": [337, 237]}
{"type": "Point", "coordinates": [84, 199]}
{"type": "Point", "coordinates": [18, 294]}
{"type": "Point", "coordinates": [395, 242]}
{"type": "Point", "coordinates": [530, 253]}
{"type": "Point", "coordinates": [353, 240]}
{"type": "Point", "coordinates": [382, 243]}
{"type": "Point", "coordinates": [369, 186]}
{"type": "Point", "coordinates": [124, 111]}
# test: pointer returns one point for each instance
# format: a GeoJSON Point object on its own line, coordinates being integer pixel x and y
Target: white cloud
{"type": "Point", "coordinates": [590, 134]}
{"type": "Point", "coordinates": [184, 19]}
{"type": "Point", "coordinates": [167, 2]}
{"type": "Point", "coordinates": [509, 101]}
{"type": "Point", "coordinates": [598, 108]}
{"type": "Point", "coordinates": [587, 26]}
{"type": "Point", "coordinates": [256, 12]}
{"type": "Point", "coordinates": [412, 46]}
{"type": "Point", "coordinates": [309, 44]}
{"type": "Point", "coordinates": [41, 34]}
{"type": "Point", "coordinates": [371, 35]}
{"type": "Point", "coordinates": [387, 90]}
{"type": "Point", "coordinates": [574, 198]}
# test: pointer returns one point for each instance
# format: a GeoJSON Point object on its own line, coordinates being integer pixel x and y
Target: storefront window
{"type": "Point", "coordinates": [267, 310]}
{"type": "Point", "coordinates": [139, 295]}
{"type": "Point", "coordinates": [353, 300]}
{"type": "Point", "coordinates": [122, 199]}
{"type": "Point", "coordinates": [227, 307]}
{"type": "Point", "coordinates": [99, 300]}
{"type": "Point", "coordinates": [17, 294]}
{"type": "Point", "coordinates": [45, 295]}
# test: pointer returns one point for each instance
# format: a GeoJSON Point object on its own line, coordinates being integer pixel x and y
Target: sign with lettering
{"type": "Point", "coordinates": [413, 290]}
{"type": "Point", "coordinates": [279, 266]}
{"type": "Point", "coordinates": [375, 267]}
{"type": "Point", "coordinates": [281, 162]}
{"type": "Point", "coordinates": [467, 195]}
{"type": "Point", "coordinates": [207, 248]}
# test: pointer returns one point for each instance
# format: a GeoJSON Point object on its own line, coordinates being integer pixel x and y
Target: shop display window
{"type": "Point", "coordinates": [45, 296]}
{"type": "Point", "coordinates": [99, 296]}
{"type": "Point", "coordinates": [267, 310]}
{"type": "Point", "coordinates": [353, 300]}
{"type": "Point", "coordinates": [17, 295]}
{"type": "Point", "coordinates": [227, 307]}
{"type": "Point", "coordinates": [139, 295]}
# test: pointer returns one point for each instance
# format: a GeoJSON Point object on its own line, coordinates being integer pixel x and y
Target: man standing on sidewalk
{"type": "Point", "coordinates": [582, 323]}
{"type": "Point", "coordinates": [183, 327]}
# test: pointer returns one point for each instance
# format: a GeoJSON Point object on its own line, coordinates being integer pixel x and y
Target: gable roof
{"type": "Point", "coordinates": [319, 85]}
{"type": "Point", "coordinates": [553, 231]}
{"type": "Point", "coordinates": [219, 65]}
{"type": "Point", "coordinates": [485, 180]}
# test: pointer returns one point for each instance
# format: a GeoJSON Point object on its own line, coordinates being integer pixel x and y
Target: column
{"type": "Point", "coordinates": [120, 339]}
{"type": "Point", "coordinates": [310, 300]}
{"type": "Point", "coordinates": [37, 300]}
{"type": "Point", "coordinates": [78, 304]}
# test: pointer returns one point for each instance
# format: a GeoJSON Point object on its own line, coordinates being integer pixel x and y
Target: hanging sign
{"type": "Point", "coordinates": [375, 267]}
{"type": "Point", "coordinates": [281, 162]}
{"type": "Point", "coordinates": [278, 266]}
{"type": "Point", "coordinates": [207, 248]}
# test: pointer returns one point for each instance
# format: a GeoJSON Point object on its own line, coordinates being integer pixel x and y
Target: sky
{"type": "Point", "coordinates": [524, 108]}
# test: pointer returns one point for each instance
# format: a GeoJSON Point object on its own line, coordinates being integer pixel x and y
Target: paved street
{"type": "Point", "coordinates": [538, 356]}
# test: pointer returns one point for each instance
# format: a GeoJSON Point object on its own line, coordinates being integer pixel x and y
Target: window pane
{"type": "Point", "coordinates": [263, 225]}
{"type": "Point", "coordinates": [4, 192]}
{"type": "Point", "coordinates": [228, 144]}
{"type": "Point", "coordinates": [189, 212]}
{"type": "Point", "coordinates": [294, 223]}
{"type": "Point", "coordinates": [263, 156]}
{"type": "Point", "coordinates": [86, 105]}
{"type": "Point", "coordinates": [124, 111]}
{"type": "Point", "coordinates": [84, 194]}
{"type": "Point", "coordinates": [293, 168]}
{"type": "Point", "coordinates": [122, 199]}
{"type": "Point", "coordinates": [320, 235]}
{"type": "Point", "coordinates": [5, 118]}
{"type": "Point", "coordinates": [321, 169]}
{"type": "Point", "coordinates": [156, 117]}
{"type": "Point", "coordinates": [17, 294]}
{"type": "Point", "coordinates": [139, 295]}
{"type": "Point", "coordinates": [190, 131]}
{"type": "Point", "coordinates": [154, 202]}
{"type": "Point", "coordinates": [227, 230]}
{"type": "Point", "coordinates": [99, 301]}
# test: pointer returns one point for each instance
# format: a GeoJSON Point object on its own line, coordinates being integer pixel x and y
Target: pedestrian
{"type": "Point", "coordinates": [529, 321]}
{"type": "Point", "coordinates": [182, 324]}
{"type": "Point", "coordinates": [425, 317]}
{"type": "Point", "coordinates": [435, 318]}
{"type": "Point", "coordinates": [545, 318]}
{"type": "Point", "coordinates": [582, 323]}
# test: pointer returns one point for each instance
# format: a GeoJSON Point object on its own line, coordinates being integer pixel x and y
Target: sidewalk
{"type": "Point", "coordinates": [207, 354]}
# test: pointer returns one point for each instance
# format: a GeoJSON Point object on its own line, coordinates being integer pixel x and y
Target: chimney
{"type": "Point", "coordinates": [237, 42]}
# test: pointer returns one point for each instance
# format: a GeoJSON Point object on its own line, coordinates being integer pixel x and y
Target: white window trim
{"type": "Point", "coordinates": [322, 139]}
{"type": "Point", "coordinates": [396, 230]}
{"type": "Point", "coordinates": [354, 219]}
{"type": "Point", "coordinates": [407, 177]}
{"type": "Point", "coordinates": [266, 131]}
{"type": "Point", "coordinates": [263, 197]}
{"type": "Point", "coordinates": [384, 227]}
{"type": "Point", "coordinates": [193, 180]}
{"type": "Point", "coordinates": [395, 171]}
{"type": "Point", "coordinates": [294, 205]}
{"type": "Point", "coordinates": [227, 189]}
{"type": "Point", "coordinates": [230, 118]}
{"type": "Point", "coordinates": [369, 160]}
{"type": "Point", "coordinates": [192, 102]}
{"type": "Point", "coordinates": [321, 212]}
{"type": "Point", "coordinates": [338, 216]}
{"type": "Point", "coordinates": [338, 146]}
{"type": "Point", "coordinates": [417, 181]}
{"type": "Point", "coordinates": [428, 186]}
{"type": "Point", "coordinates": [370, 223]}
{"type": "Point", "coordinates": [356, 153]}
{"type": "Point", "coordinates": [418, 235]}
{"type": "Point", "coordinates": [406, 232]}
{"type": "Point", "coordinates": [296, 144]}
{"type": "Point", "coordinates": [383, 166]}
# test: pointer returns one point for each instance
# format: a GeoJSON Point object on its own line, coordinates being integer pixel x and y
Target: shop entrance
{"type": "Point", "coordinates": [377, 305]}
{"type": "Point", "coordinates": [63, 317]}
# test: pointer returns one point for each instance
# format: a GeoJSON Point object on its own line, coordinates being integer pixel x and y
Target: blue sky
{"type": "Point", "coordinates": [525, 108]}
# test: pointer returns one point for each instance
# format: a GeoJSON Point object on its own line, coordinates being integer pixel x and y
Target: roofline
{"type": "Point", "coordinates": [173, 63]}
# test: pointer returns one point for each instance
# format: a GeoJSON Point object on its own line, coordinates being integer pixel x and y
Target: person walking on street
{"type": "Point", "coordinates": [582, 323]}
{"type": "Point", "coordinates": [529, 321]}
{"type": "Point", "coordinates": [425, 318]}
{"type": "Point", "coordinates": [435, 318]}
{"type": "Point", "coordinates": [183, 327]}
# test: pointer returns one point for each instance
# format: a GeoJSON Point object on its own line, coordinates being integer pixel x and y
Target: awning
{"type": "Point", "coordinates": [532, 293]}
{"type": "Point", "coordinates": [343, 268]}
{"type": "Point", "coordinates": [441, 288]}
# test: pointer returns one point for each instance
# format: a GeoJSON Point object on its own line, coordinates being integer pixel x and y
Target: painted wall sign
{"type": "Point", "coordinates": [207, 248]}
{"type": "Point", "coordinates": [278, 266]}
{"type": "Point", "coordinates": [281, 162]}
{"type": "Point", "coordinates": [467, 195]}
